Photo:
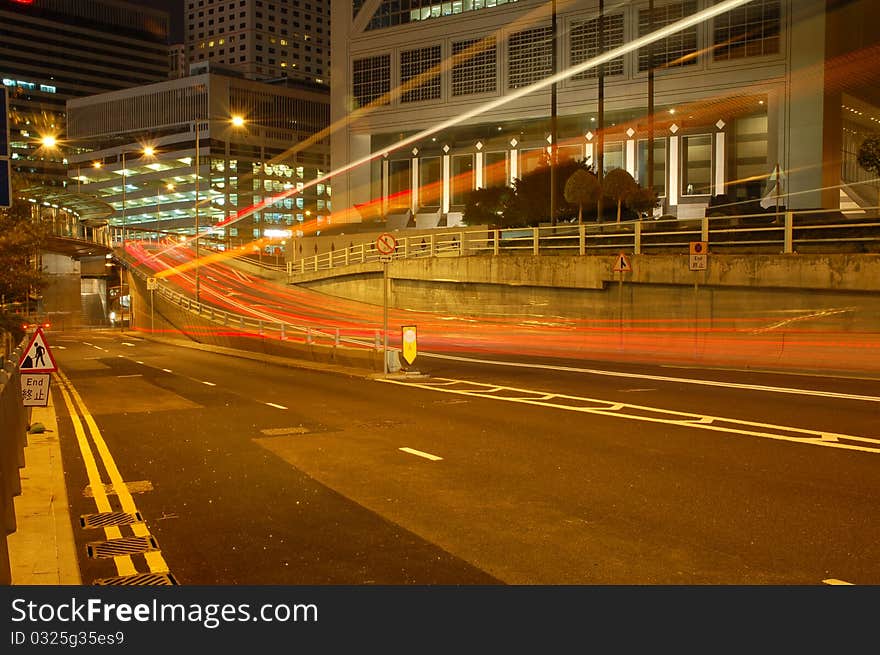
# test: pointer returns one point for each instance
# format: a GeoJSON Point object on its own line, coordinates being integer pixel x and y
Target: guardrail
{"type": "Point", "coordinates": [363, 337]}
{"type": "Point", "coordinates": [13, 439]}
{"type": "Point", "coordinates": [789, 231]}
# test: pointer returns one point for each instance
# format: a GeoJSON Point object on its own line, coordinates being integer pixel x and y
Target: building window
{"type": "Point", "coordinates": [371, 79]}
{"type": "Point", "coordinates": [495, 172]}
{"type": "Point", "coordinates": [462, 178]}
{"type": "Point", "coordinates": [415, 75]}
{"type": "Point", "coordinates": [474, 66]}
{"type": "Point", "coordinates": [430, 182]}
{"type": "Point", "coordinates": [748, 31]}
{"type": "Point", "coordinates": [680, 49]}
{"type": "Point", "coordinates": [585, 44]}
{"type": "Point", "coordinates": [529, 53]}
{"type": "Point", "coordinates": [394, 12]}
{"type": "Point", "coordinates": [696, 165]}
{"type": "Point", "coordinates": [659, 165]}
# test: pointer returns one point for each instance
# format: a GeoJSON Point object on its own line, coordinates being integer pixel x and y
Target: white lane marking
{"type": "Point", "coordinates": [666, 416]}
{"type": "Point", "coordinates": [274, 405]}
{"type": "Point", "coordinates": [138, 362]}
{"type": "Point", "coordinates": [130, 345]}
{"type": "Point", "coordinates": [210, 384]}
{"type": "Point", "coordinates": [168, 370]}
{"type": "Point", "coordinates": [661, 378]}
{"type": "Point", "coordinates": [419, 453]}
{"type": "Point", "coordinates": [61, 347]}
{"type": "Point", "coordinates": [835, 581]}
{"type": "Point", "coordinates": [133, 375]}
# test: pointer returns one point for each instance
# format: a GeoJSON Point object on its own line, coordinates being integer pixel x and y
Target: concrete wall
{"type": "Point", "coordinates": [837, 291]}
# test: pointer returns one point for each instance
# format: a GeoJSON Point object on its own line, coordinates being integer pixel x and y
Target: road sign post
{"type": "Point", "coordinates": [152, 285]}
{"type": "Point", "coordinates": [386, 244]}
{"type": "Point", "coordinates": [621, 266]}
{"type": "Point", "coordinates": [409, 343]}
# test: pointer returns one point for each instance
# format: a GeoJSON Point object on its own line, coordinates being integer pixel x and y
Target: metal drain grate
{"type": "Point", "coordinates": [105, 519]}
{"type": "Point", "coordinates": [124, 546]}
{"type": "Point", "coordinates": [139, 580]}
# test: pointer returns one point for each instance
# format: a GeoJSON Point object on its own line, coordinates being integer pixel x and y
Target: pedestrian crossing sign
{"type": "Point", "coordinates": [37, 356]}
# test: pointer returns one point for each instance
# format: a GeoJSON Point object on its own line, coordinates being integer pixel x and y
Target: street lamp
{"type": "Point", "coordinates": [168, 187]}
{"type": "Point", "coordinates": [234, 121]}
{"type": "Point", "coordinates": [147, 151]}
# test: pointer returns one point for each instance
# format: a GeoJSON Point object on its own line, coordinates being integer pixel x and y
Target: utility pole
{"type": "Point", "coordinates": [554, 131]}
{"type": "Point", "coordinates": [600, 142]}
{"type": "Point", "coordinates": [650, 164]}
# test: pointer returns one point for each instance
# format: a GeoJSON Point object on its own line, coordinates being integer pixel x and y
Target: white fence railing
{"type": "Point", "coordinates": [823, 230]}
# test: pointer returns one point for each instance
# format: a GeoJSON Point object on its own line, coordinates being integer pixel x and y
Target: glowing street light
{"type": "Point", "coordinates": [235, 121]}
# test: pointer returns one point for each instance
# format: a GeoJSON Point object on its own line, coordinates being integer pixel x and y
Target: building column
{"type": "Point", "coordinates": [630, 162]}
{"type": "Point", "coordinates": [672, 191]}
{"type": "Point", "coordinates": [385, 185]}
{"type": "Point", "coordinates": [478, 167]}
{"type": "Point", "coordinates": [514, 164]}
{"type": "Point", "coordinates": [447, 191]}
{"type": "Point", "coordinates": [414, 185]}
{"type": "Point", "coordinates": [720, 161]}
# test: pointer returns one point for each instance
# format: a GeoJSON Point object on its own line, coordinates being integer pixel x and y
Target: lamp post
{"type": "Point", "coordinates": [235, 121]}
{"type": "Point", "coordinates": [148, 151]}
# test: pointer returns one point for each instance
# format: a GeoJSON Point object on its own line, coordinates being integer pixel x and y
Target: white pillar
{"type": "Point", "coordinates": [673, 171]}
{"type": "Point", "coordinates": [444, 202]}
{"type": "Point", "coordinates": [514, 166]}
{"type": "Point", "coordinates": [720, 159]}
{"type": "Point", "coordinates": [385, 186]}
{"type": "Point", "coordinates": [588, 154]}
{"type": "Point", "coordinates": [478, 171]}
{"type": "Point", "coordinates": [631, 157]}
{"type": "Point", "coordinates": [414, 185]}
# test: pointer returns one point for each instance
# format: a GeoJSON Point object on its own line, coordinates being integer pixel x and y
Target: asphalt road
{"type": "Point", "coordinates": [553, 473]}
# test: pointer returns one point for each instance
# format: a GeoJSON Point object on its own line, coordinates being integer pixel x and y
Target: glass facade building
{"type": "Point", "coordinates": [735, 95]}
{"type": "Point", "coordinates": [256, 180]}
{"type": "Point", "coordinates": [54, 50]}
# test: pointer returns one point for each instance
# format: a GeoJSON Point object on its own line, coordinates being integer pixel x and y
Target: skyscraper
{"type": "Point", "coordinates": [54, 50]}
{"type": "Point", "coordinates": [262, 39]}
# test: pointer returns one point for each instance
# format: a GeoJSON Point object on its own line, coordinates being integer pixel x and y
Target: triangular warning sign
{"type": "Point", "coordinates": [621, 264]}
{"type": "Point", "coordinates": [37, 356]}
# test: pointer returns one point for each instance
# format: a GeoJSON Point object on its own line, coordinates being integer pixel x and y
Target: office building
{"type": "Point", "coordinates": [262, 39]}
{"type": "Point", "coordinates": [54, 50]}
{"type": "Point", "coordinates": [774, 83]}
{"type": "Point", "coordinates": [242, 168]}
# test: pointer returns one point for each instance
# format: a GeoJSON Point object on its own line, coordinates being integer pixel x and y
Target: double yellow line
{"type": "Point", "coordinates": [77, 408]}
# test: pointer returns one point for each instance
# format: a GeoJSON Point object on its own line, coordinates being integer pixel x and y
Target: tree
{"type": "Point", "coordinates": [619, 185]}
{"type": "Point", "coordinates": [486, 206]}
{"type": "Point", "coordinates": [869, 154]}
{"type": "Point", "coordinates": [21, 240]}
{"type": "Point", "coordinates": [642, 200]}
{"type": "Point", "coordinates": [581, 188]}
{"type": "Point", "coordinates": [530, 202]}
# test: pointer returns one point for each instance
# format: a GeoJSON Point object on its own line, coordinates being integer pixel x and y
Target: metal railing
{"type": "Point", "coordinates": [785, 232]}
{"type": "Point", "coordinates": [361, 337]}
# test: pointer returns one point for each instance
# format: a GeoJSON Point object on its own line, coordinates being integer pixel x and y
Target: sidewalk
{"type": "Point", "coordinates": [42, 549]}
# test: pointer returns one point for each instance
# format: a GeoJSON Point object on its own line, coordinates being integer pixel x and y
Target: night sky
{"type": "Point", "coordinates": [175, 11]}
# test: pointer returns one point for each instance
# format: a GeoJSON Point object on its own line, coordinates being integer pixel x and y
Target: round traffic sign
{"type": "Point", "coordinates": [386, 243]}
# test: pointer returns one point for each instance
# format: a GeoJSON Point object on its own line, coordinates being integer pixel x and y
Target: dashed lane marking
{"type": "Point", "coordinates": [278, 406]}
{"type": "Point", "coordinates": [210, 384]}
{"type": "Point", "coordinates": [836, 582]}
{"type": "Point", "coordinates": [419, 453]}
